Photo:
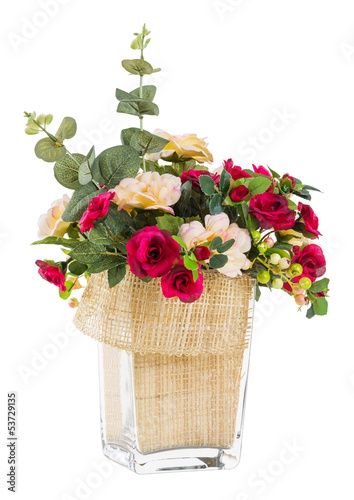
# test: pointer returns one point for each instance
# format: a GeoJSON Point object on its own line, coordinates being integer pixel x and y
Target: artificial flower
{"type": "Point", "coordinates": [148, 191]}
{"type": "Point", "coordinates": [239, 193]}
{"type": "Point", "coordinates": [52, 274]}
{"type": "Point", "coordinates": [51, 223]}
{"type": "Point", "coordinates": [179, 283]}
{"type": "Point", "coordinates": [290, 178]}
{"type": "Point", "coordinates": [263, 171]}
{"type": "Point", "coordinates": [313, 263]}
{"type": "Point", "coordinates": [309, 220]}
{"type": "Point", "coordinates": [98, 208]}
{"type": "Point", "coordinates": [182, 147]}
{"type": "Point", "coordinates": [235, 171]}
{"type": "Point", "coordinates": [202, 253]}
{"type": "Point", "coordinates": [272, 211]}
{"type": "Point", "coordinates": [193, 175]}
{"type": "Point", "coordinates": [152, 252]}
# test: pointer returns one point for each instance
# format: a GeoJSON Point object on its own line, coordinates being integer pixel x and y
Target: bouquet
{"type": "Point", "coordinates": [152, 207]}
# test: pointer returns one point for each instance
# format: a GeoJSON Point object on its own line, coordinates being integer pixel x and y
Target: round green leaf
{"type": "Point", "coordinates": [137, 67]}
{"type": "Point", "coordinates": [67, 129]}
{"type": "Point", "coordinates": [66, 171]}
{"type": "Point", "coordinates": [46, 150]}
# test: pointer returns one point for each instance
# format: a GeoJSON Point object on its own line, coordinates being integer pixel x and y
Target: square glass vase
{"type": "Point", "coordinates": [162, 413]}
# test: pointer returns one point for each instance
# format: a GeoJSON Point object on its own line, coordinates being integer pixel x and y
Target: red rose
{"type": "Point", "coordinates": [152, 252]}
{"type": "Point", "coordinates": [313, 263]}
{"type": "Point", "coordinates": [239, 193]}
{"type": "Point", "coordinates": [309, 219]}
{"type": "Point", "coordinates": [193, 175]}
{"type": "Point", "coordinates": [52, 274]}
{"type": "Point", "coordinates": [235, 171]}
{"type": "Point", "coordinates": [202, 253]}
{"type": "Point", "coordinates": [292, 180]}
{"type": "Point", "coordinates": [179, 283]}
{"type": "Point", "coordinates": [98, 208]}
{"type": "Point", "coordinates": [272, 211]}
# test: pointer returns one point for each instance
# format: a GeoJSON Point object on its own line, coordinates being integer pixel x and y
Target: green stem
{"type": "Point", "coordinates": [141, 92]}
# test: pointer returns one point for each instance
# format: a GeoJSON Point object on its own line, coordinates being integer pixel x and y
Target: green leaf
{"type": "Point", "coordinates": [310, 312]}
{"type": "Point", "coordinates": [115, 275]}
{"type": "Point", "coordinates": [69, 288]}
{"type": "Point", "coordinates": [169, 222]}
{"type": "Point", "coordinates": [259, 185]}
{"type": "Point", "coordinates": [195, 275]}
{"type": "Point", "coordinates": [66, 171]}
{"type": "Point", "coordinates": [100, 236]}
{"type": "Point", "coordinates": [258, 291]}
{"type": "Point", "coordinates": [225, 246]}
{"type": "Point", "coordinates": [215, 243]}
{"type": "Point", "coordinates": [77, 268]}
{"type": "Point", "coordinates": [109, 262]}
{"type": "Point", "coordinates": [144, 142]}
{"type": "Point", "coordinates": [88, 253]}
{"type": "Point", "coordinates": [274, 173]}
{"type": "Point", "coordinates": [137, 67]}
{"type": "Point", "coordinates": [320, 306]}
{"type": "Point", "coordinates": [67, 129]}
{"type": "Point", "coordinates": [243, 211]}
{"type": "Point", "coordinates": [127, 134]}
{"type": "Point", "coordinates": [292, 205]}
{"type": "Point", "coordinates": [58, 240]}
{"type": "Point", "coordinates": [279, 251]}
{"type": "Point", "coordinates": [207, 184]}
{"type": "Point", "coordinates": [85, 169]}
{"type": "Point", "coordinates": [46, 150]}
{"type": "Point", "coordinates": [137, 107]}
{"type": "Point", "coordinates": [190, 264]}
{"type": "Point", "coordinates": [215, 206]}
{"type": "Point", "coordinates": [117, 221]}
{"type": "Point", "coordinates": [217, 261]}
{"type": "Point", "coordinates": [303, 194]}
{"type": "Point", "coordinates": [180, 241]}
{"type": "Point", "coordinates": [225, 179]}
{"type": "Point", "coordinates": [79, 202]}
{"type": "Point", "coordinates": [310, 188]}
{"type": "Point", "coordinates": [115, 164]}
{"type": "Point", "coordinates": [149, 92]}
{"type": "Point", "coordinates": [320, 286]}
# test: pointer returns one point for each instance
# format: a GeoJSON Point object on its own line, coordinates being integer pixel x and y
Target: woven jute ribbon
{"type": "Point", "coordinates": [185, 360]}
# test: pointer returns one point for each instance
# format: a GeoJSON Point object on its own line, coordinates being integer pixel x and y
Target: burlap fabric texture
{"type": "Point", "coordinates": [186, 359]}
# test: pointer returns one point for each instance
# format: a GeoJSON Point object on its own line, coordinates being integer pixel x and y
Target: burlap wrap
{"type": "Point", "coordinates": [186, 359]}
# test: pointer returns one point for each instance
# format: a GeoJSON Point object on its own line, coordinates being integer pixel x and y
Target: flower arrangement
{"type": "Point", "coordinates": [151, 206]}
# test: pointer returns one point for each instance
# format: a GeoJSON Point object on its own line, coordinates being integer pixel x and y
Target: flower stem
{"type": "Point", "coordinates": [141, 91]}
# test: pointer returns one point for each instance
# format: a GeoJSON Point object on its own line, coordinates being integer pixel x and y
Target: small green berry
{"type": "Point", "coordinates": [305, 283]}
{"type": "Point", "coordinates": [296, 269]}
{"type": "Point", "coordinates": [275, 258]}
{"type": "Point", "coordinates": [263, 277]}
{"type": "Point", "coordinates": [256, 235]}
{"type": "Point", "coordinates": [277, 283]}
{"type": "Point", "coordinates": [262, 247]}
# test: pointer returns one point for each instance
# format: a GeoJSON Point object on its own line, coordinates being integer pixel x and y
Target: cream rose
{"type": "Point", "coordinates": [51, 223]}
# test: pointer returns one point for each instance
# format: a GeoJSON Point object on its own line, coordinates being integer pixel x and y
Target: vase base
{"type": "Point", "coordinates": [172, 460]}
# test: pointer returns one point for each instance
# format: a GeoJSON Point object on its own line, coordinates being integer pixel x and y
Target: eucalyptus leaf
{"type": "Point", "coordinates": [148, 91]}
{"type": "Point", "coordinates": [67, 129]}
{"type": "Point", "coordinates": [46, 150]}
{"type": "Point", "coordinates": [137, 107]}
{"type": "Point", "coordinates": [137, 67]}
{"type": "Point", "coordinates": [127, 134]}
{"type": "Point", "coordinates": [85, 169]}
{"type": "Point", "coordinates": [144, 142]}
{"type": "Point", "coordinates": [66, 171]}
{"type": "Point", "coordinates": [115, 164]}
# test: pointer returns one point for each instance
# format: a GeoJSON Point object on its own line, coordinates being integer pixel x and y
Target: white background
{"type": "Point", "coordinates": [229, 68]}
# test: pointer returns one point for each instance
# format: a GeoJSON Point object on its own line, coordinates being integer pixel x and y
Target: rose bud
{"type": "Point", "coordinates": [239, 193]}
{"type": "Point", "coordinates": [202, 253]}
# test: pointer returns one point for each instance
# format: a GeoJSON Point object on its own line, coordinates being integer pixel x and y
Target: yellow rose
{"type": "Point", "coordinates": [149, 191]}
{"type": "Point", "coordinates": [183, 146]}
{"type": "Point", "coordinates": [51, 224]}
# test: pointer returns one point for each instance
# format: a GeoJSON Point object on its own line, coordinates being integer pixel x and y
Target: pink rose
{"type": "Point", "coordinates": [272, 211]}
{"type": "Point", "coordinates": [309, 219]}
{"type": "Point", "coordinates": [202, 253]}
{"type": "Point", "coordinates": [179, 283]}
{"type": "Point", "coordinates": [235, 171]}
{"type": "Point", "coordinates": [152, 252]}
{"type": "Point", "coordinates": [52, 274]}
{"type": "Point", "coordinates": [98, 208]}
{"type": "Point", "coordinates": [193, 175]}
{"type": "Point", "coordinates": [239, 193]}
